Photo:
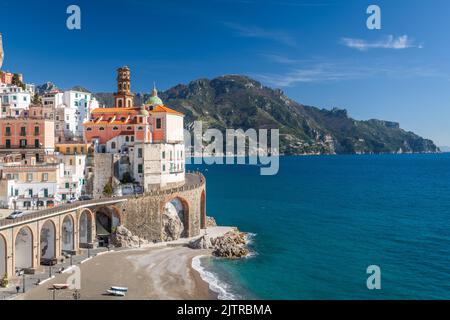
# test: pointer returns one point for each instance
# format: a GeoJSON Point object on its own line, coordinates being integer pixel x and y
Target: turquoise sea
{"type": "Point", "coordinates": [322, 220]}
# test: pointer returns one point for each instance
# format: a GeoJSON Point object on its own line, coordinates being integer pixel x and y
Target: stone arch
{"type": "Point", "coordinates": [107, 218]}
{"type": "Point", "coordinates": [176, 207]}
{"type": "Point", "coordinates": [85, 223]}
{"type": "Point", "coordinates": [3, 257]}
{"type": "Point", "coordinates": [203, 210]}
{"type": "Point", "coordinates": [23, 248]}
{"type": "Point", "coordinates": [48, 240]}
{"type": "Point", "coordinates": [67, 234]}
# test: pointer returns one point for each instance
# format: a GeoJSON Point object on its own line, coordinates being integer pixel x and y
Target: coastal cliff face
{"type": "Point", "coordinates": [234, 101]}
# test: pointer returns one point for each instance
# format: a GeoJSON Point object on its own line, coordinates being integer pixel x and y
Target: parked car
{"type": "Point", "coordinates": [85, 198]}
{"type": "Point", "coordinates": [72, 200]}
{"type": "Point", "coordinates": [15, 215]}
{"type": "Point", "coordinates": [48, 262]}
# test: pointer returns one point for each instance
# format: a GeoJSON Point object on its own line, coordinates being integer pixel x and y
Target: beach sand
{"type": "Point", "coordinates": [150, 273]}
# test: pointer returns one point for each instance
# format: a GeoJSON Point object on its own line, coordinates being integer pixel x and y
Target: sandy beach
{"type": "Point", "coordinates": [149, 273]}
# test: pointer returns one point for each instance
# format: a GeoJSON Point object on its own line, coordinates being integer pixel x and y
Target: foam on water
{"type": "Point", "coordinates": [215, 284]}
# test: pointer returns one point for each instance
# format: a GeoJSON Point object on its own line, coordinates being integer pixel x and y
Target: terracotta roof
{"type": "Point", "coordinates": [115, 110]}
{"type": "Point", "coordinates": [165, 109]}
{"type": "Point", "coordinates": [155, 109]}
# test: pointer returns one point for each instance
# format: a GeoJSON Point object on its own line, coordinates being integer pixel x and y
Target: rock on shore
{"type": "Point", "coordinates": [211, 222]}
{"type": "Point", "coordinates": [232, 244]}
{"type": "Point", "coordinates": [123, 238]}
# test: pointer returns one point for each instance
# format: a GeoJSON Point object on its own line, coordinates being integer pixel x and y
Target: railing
{"type": "Point", "coordinates": [189, 185]}
{"type": "Point", "coordinates": [186, 187]}
{"type": "Point", "coordinates": [60, 208]}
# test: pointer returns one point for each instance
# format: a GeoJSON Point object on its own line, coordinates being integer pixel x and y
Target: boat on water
{"type": "Point", "coordinates": [116, 293]}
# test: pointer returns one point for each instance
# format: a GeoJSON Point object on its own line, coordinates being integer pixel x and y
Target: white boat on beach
{"type": "Point", "coordinates": [60, 286]}
{"type": "Point", "coordinates": [116, 293]}
{"type": "Point", "coordinates": [122, 289]}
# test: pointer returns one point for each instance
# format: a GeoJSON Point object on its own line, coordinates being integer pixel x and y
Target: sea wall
{"type": "Point", "coordinates": [143, 215]}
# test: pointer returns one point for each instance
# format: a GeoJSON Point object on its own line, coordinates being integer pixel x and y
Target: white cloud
{"type": "Point", "coordinates": [390, 42]}
{"type": "Point", "coordinates": [342, 71]}
{"type": "Point", "coordinates": [257, 32]}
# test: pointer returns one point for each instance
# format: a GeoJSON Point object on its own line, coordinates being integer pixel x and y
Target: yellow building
{"type": "Point", "coordinates": [72, 148]}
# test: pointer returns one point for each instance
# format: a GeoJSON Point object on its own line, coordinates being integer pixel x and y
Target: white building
{"type": "Point", "coordinates": [84, 103]}
{"type": "Point", "coordinates": [30, 186]}
{"type": "Point", "coordinates": [14, 100]}
{"type": "Point", "coordinates": [161, 162]}
{"type": "Point", "coordinates": [66, 123]}
{"type": "Point", "coordinates": [72, 182]}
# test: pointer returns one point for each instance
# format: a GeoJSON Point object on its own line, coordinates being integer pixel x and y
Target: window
{"type": "Point", "coordinates": [82, 150]}
{"type": "Point", "coordinates": [8, 131]}
{"type": "Point", "coordinates": [75, 150]}
{"type": "Point", "coordinates": [63, 196]}
{"type": "Point", "coordinates": [101, 129]}
{"type": "Point", "coordinates": [67, 185]}
{"type": "Point", "coordinates": [132, 138]}
{"type": "Point", "coordinates": [36, 131]}
{"type": "Point", "coordinates": [158, 123]}
{"type": "Point", "coordinates": [115, 128]}
{"type": "Point", "coordinates": [129, 128]}
{"type": "Point", "coordinates": [29, 177]}
{"type": "Point", "coordinates": [8, 143]}
{"type": "Point", "coordinates": [45, 192]}
{"type": "Point", "coordinates": [67, 127]}
{"type": "Point", "coordinates": [127, 139]}
{"type": "Point", "coordinates": [140, 168]}
{"type": "Point", "coordinates": [163, 154]}
{"type": "Point", "coordinates": [45, 177]}
{"type": "Point", "coordinates": [113, 145]}
{"type": "Point", "coordinates": [139, 152]}
{"type": "Point", "coordinates": [23, 131]}
{"type": "Point", "coordinates": [89, 129]}
{"type": "Point", "coordinates": [36, 143]}
{"type": "Point", "coordinates": [70, 162]}
{"type": "Point", "coordinates": [67, 150]}
{"type": "Point", "coordinates": [164, 168]}
{"type": "Point", "coordinates": [23, 143]}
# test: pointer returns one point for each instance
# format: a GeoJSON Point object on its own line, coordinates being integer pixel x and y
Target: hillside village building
{"type": "Point", "coordinates": [14, 100]}
{"type": "Point", "coordinates": [146, 142]}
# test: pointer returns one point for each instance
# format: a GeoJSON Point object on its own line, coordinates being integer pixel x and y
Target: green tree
{"type": "Point", "coordinates": [17, 82]}
{"type": "Point", "coordinates": [4, 281]}
{"type": "Point", "coordinates": [108, 189]}
{"type": "Point", "coordinates": [36, 99]}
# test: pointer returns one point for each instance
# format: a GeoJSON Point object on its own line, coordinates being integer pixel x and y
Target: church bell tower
{"type": "Point", "coordinates": [123, 98]}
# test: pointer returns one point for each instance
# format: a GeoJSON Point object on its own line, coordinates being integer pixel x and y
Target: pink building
{"type": "Point", "coordinates": [27, 136]}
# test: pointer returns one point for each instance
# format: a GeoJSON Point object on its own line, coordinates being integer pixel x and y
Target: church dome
{"type": "Point", "coordinates": [154, 100]}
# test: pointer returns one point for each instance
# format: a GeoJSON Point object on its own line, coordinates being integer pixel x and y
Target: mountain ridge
{"type": "Point", "coordinates": [239, 102]}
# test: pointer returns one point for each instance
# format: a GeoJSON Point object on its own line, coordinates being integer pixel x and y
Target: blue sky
{"type": "Point", "coordinates": [319, 52]}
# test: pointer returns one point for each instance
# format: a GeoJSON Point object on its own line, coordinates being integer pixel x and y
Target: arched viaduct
{"type": "Point", "coordinates": [27, 241]}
